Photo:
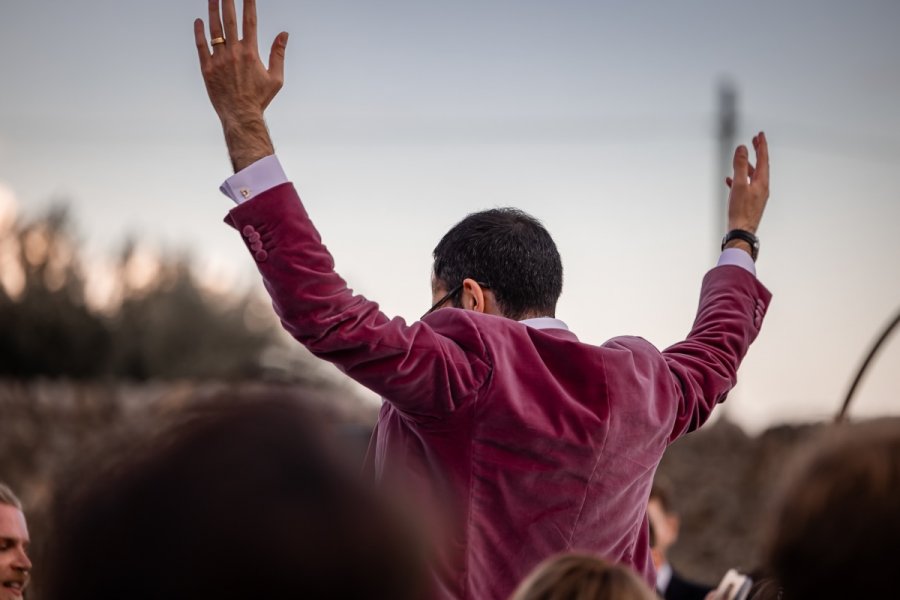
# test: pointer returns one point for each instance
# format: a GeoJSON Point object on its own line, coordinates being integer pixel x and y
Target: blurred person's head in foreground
{"type": "Point", "coordinates": [15, 567]}
{"type": "Point", "coordinates": [240, 498]}
{"type": "Point", "coordinates": [582, 577]}
{"type": "Point", "coordinates": [836, 531]}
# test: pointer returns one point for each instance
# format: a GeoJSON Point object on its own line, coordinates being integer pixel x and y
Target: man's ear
{"type": "Point", "coordinates": [472, 296]}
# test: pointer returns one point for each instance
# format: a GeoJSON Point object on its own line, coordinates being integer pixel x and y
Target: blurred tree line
{"type": "Point", "coordinates": [162, 323]}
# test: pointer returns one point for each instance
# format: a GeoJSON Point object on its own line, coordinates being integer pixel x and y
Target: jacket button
{"type": "Point", "coordinates": [253, 237]}
{"type": "Point", "coordinates": [248, 230]}
{"type": "Point", "coordinates": [261, 255]}
{"type": "Point", "coordinates": [256, 246]}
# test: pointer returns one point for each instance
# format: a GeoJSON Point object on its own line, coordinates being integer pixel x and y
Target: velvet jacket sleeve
{"type": "Point", "coordinates": [704, 366]}
{"type": "Point", "coordinates": [422, 372]}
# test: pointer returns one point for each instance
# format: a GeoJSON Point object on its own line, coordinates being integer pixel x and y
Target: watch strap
{"type": "Point", "coordinates": [742, 234]}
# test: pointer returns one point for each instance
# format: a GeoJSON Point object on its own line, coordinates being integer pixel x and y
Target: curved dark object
{"type": "Point", "coordinates": [843, 413]}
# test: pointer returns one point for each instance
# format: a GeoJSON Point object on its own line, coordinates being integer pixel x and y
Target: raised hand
{"type": "Point", "coordinates": [749, 186]}
{"type": "Point", "coordinates": [239, 85]}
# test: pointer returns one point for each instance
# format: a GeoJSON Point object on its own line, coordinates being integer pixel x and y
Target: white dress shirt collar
{"type": "Point", "coordinates": [544, 323]}
{"type": "Point", "coordinates": [663, 577]}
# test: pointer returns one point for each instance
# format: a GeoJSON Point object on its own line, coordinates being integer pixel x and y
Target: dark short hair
{"type": "Point", "coordinates": [508, 250]}
{"type": "Point", "coordinates": [238, 498]}
{"type": "Point", "coordinates": [836, 531]}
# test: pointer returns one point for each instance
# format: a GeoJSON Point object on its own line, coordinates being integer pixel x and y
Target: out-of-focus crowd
{"type": "Point", "coordinates": [244, 496]}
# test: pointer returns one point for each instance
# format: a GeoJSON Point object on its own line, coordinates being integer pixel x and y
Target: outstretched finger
{"type": "Point", "coordinates": [276, 56]}
{"type": "Point", "coordinates": [215, 20]}
{"type": "Point", "coordinates": [202, 46]}
{"type": "Point", "coordinates": [250, 22]}
{"type": "Point", "coordinates": [762, 158]}
{"type": "Point", "coordinates": [741, 165]}
{"type": "Point", "coordinates": [229, 20]}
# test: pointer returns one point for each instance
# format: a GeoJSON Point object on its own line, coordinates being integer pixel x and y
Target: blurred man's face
{"type": "Point", "coordinates": [665, 530]}
{"type": "Point", "coordinates": [15, 567]}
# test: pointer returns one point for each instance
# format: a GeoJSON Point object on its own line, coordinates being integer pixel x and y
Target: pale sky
{"type": "Point", "coordinates": [398, 118]}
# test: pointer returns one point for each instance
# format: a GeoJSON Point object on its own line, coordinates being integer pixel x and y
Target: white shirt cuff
{"type": "Point", "coordinates": [738, 258]}
{"type": "Point", "coordinates": [252, 181]}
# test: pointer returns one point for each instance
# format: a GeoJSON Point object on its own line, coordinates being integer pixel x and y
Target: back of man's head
{"type": "Point", "coordinates": [837, 529]}
{"type": "Point", "coordinates": [237, 499]}
{"type": "Point", "coordinates": [511, 252]}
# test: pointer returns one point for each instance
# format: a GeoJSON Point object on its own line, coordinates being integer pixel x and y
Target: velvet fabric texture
{"type": "Point", "coordinates": [518, 443]}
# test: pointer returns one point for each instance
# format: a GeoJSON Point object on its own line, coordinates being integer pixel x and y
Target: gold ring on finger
{"type": "Point", "coordinates": [217, 41]}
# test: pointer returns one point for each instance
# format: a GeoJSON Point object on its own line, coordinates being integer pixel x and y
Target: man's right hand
{"type": "Point", "coordinates": [239, 85]}
{"type": "Point", "coordinates": [749, 187]}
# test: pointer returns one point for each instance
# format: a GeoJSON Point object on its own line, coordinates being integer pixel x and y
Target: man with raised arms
{"type": "Point", "coordinates": [521, 440]}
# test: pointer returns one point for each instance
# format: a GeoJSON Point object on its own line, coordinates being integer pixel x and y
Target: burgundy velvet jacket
{"type": "Point", "coordinates": [529, 442]}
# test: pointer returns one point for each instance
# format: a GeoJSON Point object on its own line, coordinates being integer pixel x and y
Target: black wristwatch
{"type": "Point", "coordinates": [740, 234]}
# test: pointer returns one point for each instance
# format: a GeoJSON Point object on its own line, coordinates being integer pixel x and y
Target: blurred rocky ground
{"type": "Point", "coordinates": [46, 424]}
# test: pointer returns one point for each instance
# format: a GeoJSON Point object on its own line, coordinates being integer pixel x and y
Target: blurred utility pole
{"type": "Point", "coordinates": [726, 131]}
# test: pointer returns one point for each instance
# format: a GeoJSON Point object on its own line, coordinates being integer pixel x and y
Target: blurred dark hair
{"type": "Point", "coordinates": [511, 252]}
{"type": "Point", "coordinates": [238, 498]}
{"type": "Point", "coordinates": [582, 577]}
{"type": "Point", "coordinates": [836, 533]}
